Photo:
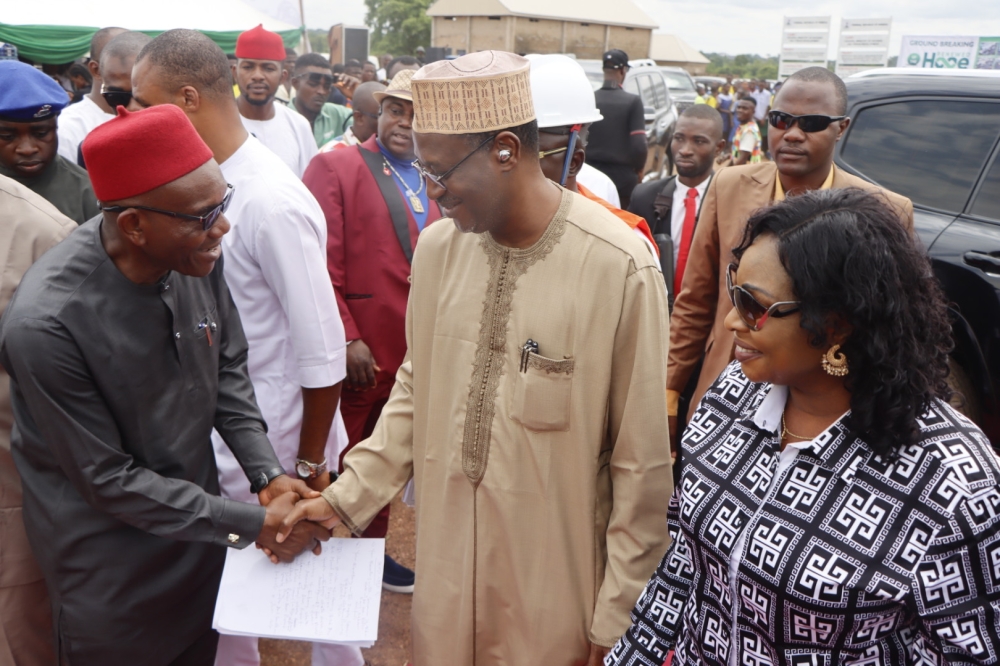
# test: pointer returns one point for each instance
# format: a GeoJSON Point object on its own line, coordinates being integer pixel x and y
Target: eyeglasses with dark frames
{"type": "Point", "coordinates": [207, 220]}
{"type": "Point", "coordinates": [116, 98]}
{"type": "Point", "coordinates": [809, 123]}
{"type": "Point", "coordinates": [439, 180]}
{"type": "Point", "coordinates": [750, 310]}
{"type": "Point", "coordinates": [316, 79]}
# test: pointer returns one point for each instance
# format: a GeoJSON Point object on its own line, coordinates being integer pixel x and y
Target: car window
{"type": "Point", "coordinates": [928, 150]}
{"type": "Point", "coordinates": [631, 85]}
{"type": "Point", "coordinates": [646, 90]}
{"type": "Point", "coordinates": [660, 88]}
{"type": "Point", "coordinates": [679, 82]}
{"type": "Point", "coordinates": [987, 203]}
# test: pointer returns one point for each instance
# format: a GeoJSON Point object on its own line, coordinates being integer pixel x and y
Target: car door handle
{"type": "Point", "coordinates": [984, 262]}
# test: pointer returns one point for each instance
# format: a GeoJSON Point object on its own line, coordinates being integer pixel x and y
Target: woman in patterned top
{"type": "Point", "coordinates": [833, 508]}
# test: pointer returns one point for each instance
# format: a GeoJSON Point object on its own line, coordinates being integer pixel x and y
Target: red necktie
{"type": "Point", "coordinates": [690, 208]}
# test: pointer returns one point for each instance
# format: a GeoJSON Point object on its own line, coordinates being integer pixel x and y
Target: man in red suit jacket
{"type": "Point", "coordinates": [376, 204]}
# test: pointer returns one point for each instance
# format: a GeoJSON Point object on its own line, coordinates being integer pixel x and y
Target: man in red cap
{"type": "Point", "coordinates": [259, 72]}
{"type": "Point", "coordinates": [125, 350]}
{"type": "Point", "coordinates": [276, 269]}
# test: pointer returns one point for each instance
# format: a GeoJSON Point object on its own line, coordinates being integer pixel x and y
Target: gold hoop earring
{"type": "Point", "coordinates": [833, 363]}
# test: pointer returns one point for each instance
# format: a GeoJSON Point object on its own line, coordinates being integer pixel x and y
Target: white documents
{"type": "Point", "coordinates": [329, 598]}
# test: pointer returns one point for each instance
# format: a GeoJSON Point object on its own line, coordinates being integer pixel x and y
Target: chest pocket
{"type": "Point", "coordinates": [542, 391]}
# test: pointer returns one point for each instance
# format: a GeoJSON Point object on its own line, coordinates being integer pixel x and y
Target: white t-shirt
{"type": "Point", "coordinates": [288, 134]}
{"type": "Point", "coordinates": [74, 124]}
{"type": "Point", "coordinates": [598, 183]}
{"type": "Point", "coordinates": [275, 265]}
{"type": "Point", "coordinates": [763, 98]}
{"type": "Point", "coordinates": [677, 211]}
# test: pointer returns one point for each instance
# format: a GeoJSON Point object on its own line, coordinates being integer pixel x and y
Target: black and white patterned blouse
{"type": "Point", "coordinates": [844, 559]}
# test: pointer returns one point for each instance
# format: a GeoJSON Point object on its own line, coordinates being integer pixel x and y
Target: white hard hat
{"type": "Point", "coordinates": [561, 92]}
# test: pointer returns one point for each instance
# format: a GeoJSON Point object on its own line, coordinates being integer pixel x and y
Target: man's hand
{"type": "Point", "coordinates": [361, 366]}
{"type": "Point", "coordinates": [285, 484]}
{"type": "Point", "coordinates": [347, 85]}
{"type": "Point", "coordinates": [315, 510]}
{"type": "Point", "coordinates": [597, 655]}
{"type": "Point", "coordinates": [320, 483]}
{"type": "Point", "coordinates": [305, 536]}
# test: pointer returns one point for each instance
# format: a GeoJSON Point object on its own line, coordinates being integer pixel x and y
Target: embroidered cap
{"type": "Point", "coordinates": [485, 91]}
{"type": "Point", "coordinates": [28, 94]}
{"type": "Point", "coordinates": [398, 87]}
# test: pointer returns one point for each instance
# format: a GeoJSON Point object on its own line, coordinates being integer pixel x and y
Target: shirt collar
{"type": "Point", "coordinates": [681, 190]}
{"type": "Point", "coordinates": [779, 191]}
{"type": "Point", "coordinates": [772, 408]}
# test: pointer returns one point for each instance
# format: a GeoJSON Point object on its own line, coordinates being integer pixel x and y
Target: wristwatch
{"type": "Point", "coordinates": [264, 478]}
{"type": "Point", "coordinates": [307, 470]}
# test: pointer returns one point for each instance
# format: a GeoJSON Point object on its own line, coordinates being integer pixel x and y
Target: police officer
{"type": "Point", "coordinates": [30, 103]}
{"type": "Point", "coordinates": [618, 143]}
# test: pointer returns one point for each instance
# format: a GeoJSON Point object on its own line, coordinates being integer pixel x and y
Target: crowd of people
{"type": "Point", "coordinates": [249, 299]}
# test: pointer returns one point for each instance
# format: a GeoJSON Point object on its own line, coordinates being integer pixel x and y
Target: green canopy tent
{"type": "Point", "coordinates": [59, 31]}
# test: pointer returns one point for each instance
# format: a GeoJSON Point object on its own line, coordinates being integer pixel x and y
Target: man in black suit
{"type": "Point", "coordinates": [671, 209]}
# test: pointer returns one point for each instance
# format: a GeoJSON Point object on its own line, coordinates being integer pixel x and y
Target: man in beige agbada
{"type": "Point", "coordinates": [529, 409]}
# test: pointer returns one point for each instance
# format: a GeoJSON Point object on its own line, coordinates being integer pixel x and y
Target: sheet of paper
{"type": "Point", "coordinates": [329, 598]}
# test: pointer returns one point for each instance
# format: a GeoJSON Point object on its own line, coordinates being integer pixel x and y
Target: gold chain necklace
{"type": "Point", "coordinates": [414, 197]}
{"type": "Point", "coordinates": [786, 433]}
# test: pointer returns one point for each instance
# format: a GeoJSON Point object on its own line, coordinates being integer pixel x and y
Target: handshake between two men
{"type": "Point", "coordinates": [296, 519]}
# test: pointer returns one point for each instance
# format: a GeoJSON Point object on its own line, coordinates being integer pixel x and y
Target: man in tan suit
{"type": "Point", "coordinates": [802, 150]}
{"type": "Point", "coordinates": [29, 226]}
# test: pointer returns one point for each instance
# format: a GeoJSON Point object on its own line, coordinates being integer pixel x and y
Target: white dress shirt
{"type": "Point", "coordinates": [677, 211]}
{"type": "Point", "coordinates": [288, 134]}
{"type": "Point", "coordinates": [598, 183]}
{"type": "Point", "coordinates": [275, 264]}
{"type": "Point", "coordinates": [77, 121]}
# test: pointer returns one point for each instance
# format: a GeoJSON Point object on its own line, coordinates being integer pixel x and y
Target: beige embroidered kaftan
{"type": "Point", "coordinates": [541, 484]}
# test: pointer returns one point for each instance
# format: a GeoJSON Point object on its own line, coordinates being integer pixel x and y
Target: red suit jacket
{"type": "Point", "coordinates": [368, 266]}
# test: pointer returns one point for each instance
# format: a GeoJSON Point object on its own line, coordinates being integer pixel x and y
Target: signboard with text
{"type": "Point", "coordinates": [950, 52]}
{"type": "Point", "coordinates": [864, 44]}
{"type": "Point", "coordinates": [804, 43]}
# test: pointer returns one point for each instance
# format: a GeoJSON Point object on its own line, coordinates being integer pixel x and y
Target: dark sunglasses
{"type": "Point", "coordinates": [811, 123]}
{"type": "Point", "coordinates": [207, 220]}
{"type": "Point", "coordinates": [439, 180]}
{"type": "Point", "coordinates": [749, 308]}
{"type": "Point", "coordinates": [316, 79]}
{"type": "Point", "coordinates": [116, 98]}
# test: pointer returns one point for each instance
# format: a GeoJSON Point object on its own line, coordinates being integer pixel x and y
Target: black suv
{"type": "Point", "coordinates": [936, 139]}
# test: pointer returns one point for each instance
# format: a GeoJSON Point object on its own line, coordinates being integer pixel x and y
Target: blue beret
{"type": "Point", "coordinates": [28, 94]}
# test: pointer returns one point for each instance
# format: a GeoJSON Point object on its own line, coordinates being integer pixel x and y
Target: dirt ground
{"type": "Point", "coordinates": [393, 645]}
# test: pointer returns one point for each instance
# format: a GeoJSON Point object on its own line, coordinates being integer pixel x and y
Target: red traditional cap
{"type": "Point", "coordinates": [260, 44]}
{"type": "Point", "coordinates": [138, 151]}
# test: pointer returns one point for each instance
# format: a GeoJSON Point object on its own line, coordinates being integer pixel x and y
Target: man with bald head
{"type": "Point", "coordinates": [365, 112]}
{"type": "Point", "coordinates": [125, 350]}
{"type": "Point", "coordinates": [276, 269]}
{"type": "Point", "coordinates": [117, 59]}
{"type": "Point", "coordinates": [78, 119]}
{"type": "Point", "coordinates": [312, 81]}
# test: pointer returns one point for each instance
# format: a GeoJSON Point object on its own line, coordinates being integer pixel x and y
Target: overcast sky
{"type": "Point", "coordinates": [754, 26]}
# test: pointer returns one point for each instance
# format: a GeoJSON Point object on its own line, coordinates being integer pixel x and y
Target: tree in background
{"type": "Point", "coordinates": [398, 26]}
{"type": "Point", "coordinates": [743, 66]}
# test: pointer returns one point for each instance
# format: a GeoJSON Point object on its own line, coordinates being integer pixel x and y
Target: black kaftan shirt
{"type": "Point", "coordinates": [843, 558]}
{"type": "Point", "coordinates": [116, 388]}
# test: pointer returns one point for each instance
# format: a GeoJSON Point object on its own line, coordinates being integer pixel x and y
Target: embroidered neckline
{"type": "Point", "coordinates": [506, 266]}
